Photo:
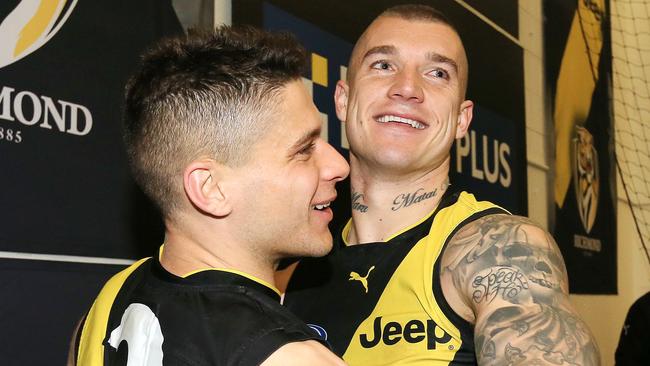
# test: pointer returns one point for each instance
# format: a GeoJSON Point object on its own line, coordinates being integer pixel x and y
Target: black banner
{"type": "Point", "coordinates": [579, 71]}
{"type": "Point", "coordinates": [65, 186]}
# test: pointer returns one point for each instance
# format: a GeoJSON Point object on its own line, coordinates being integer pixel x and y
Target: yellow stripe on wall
{"type": "Point", "coordinates": [319, 69]}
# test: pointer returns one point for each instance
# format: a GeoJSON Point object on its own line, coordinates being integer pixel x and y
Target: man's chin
{"type": "Point", "coordinates": [320, 248]}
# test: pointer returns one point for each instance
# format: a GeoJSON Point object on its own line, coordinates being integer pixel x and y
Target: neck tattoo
{"type": "Point", "coordinates": [356, 205]}
{"type": "Point", "coordinates": [408, 199]}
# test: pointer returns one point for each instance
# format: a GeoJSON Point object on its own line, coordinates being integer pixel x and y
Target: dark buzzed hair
{"type": "Point", "coordinates": [205, 94]}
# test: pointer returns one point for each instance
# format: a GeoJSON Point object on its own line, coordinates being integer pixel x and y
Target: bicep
{"type": "Point", "coordinates": [303, 353]}
{"type": "Point", "coordinates": [512, 275]}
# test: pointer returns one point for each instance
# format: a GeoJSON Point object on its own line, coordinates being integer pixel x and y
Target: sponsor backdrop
{"type": "Point", "coordinates": [491, 160]}
{"type": "Point", "coordinates": [579, 74]}
{"type": "Point", "coordinates": [65, 186]}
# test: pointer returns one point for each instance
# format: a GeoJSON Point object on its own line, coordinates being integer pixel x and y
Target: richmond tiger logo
{"type": "Point", "coordinates": [27, 25]}
{"type": "Point", "coordinates": [586, 179]}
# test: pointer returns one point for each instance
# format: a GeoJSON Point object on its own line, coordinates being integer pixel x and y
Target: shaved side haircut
{"type": "Point", "coordinates": [205, 94]}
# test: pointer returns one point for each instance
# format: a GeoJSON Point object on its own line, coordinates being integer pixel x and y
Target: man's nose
{"type": "Point", "coordinates": [407, 87]}
{"type": "Point", "coordinates": [334, 167]}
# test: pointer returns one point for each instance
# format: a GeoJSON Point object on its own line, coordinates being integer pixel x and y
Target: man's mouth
{"type": "Point", "coordinates": [321, 207]}
{"type": "Point", "coordinates": [390, 118]}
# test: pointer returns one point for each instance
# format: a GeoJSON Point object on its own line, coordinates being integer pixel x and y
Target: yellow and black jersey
{"type": "Point", "coordinates": [145, 315]}
{"type": "Point", "coordinates": [381, 303]}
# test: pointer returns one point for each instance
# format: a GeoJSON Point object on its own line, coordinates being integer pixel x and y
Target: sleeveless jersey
{"type": "Point", "coordinates": [145, 315]}
{"type": "Point", "coordinates": [382, 303]}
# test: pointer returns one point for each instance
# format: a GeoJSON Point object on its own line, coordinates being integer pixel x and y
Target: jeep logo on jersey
{"type": "Point", "coordinates": [30, 25]}
{"type": "Point", "coordinates": [414, 331]}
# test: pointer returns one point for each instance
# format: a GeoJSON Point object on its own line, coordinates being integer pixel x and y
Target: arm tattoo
{"type": "Point", "coordinates": [506, 281]}
{"type": "Point", "coordinates": [513, 274]}
{"type": "Point", "coordinates": [356, 205]}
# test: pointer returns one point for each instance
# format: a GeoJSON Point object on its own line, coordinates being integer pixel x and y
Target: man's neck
{"type": "Point", "coordinates": [383, 205]}
{"type": "Point", "coordinates": [184, 254]}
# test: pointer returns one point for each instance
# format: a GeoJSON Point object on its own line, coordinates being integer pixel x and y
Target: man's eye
{"type": "Point", "coordinates": [381, 65]}
{"type": "Point", "coordinates": [440, 73]}
{"type": "Point", "coordinates": [307, 150]}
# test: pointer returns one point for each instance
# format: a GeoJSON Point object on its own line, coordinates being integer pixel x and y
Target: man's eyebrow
{"type": "Point", "coordinates": [436, 57]}
{"type": "Point", "coordinates": [386, 49]}
{"type": "Point", "coordinates": [307, 137]}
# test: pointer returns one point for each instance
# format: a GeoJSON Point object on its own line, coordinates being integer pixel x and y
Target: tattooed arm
{"type": "Point", "coordinates": [509, 275]}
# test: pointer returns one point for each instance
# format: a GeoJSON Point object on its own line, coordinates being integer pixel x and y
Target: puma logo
{"type": "Point", "coordinates": [354, 276]}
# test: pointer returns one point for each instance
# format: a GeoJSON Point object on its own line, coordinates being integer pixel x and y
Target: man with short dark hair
{"type": "Point", "coordinates": [423, 274]}
{"type": "Point", "coordinates": [222, 135]}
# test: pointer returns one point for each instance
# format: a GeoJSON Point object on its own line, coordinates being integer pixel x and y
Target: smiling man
{"type": "Point", "coordinates": [225, 139]}
{"type": "Point", "coordinates": [423, 274]}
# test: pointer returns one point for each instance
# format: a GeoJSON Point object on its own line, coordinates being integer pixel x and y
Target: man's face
{"type": "Point", "coordinates": [288, 182]}
{"type": "Point", "coordinates": [404, 105]}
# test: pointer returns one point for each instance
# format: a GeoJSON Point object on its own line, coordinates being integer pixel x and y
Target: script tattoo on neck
{"type": "Point", "coordinates": [407, 199]}
{"type": "Point", "coordinates": [356, 205]}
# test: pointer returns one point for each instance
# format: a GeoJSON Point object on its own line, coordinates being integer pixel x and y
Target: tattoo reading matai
{"type": "Point", "coordinates": [407, 199]}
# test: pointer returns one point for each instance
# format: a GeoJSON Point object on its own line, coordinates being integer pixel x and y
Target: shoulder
{"type": "Point", "coordinates": [640, 311]}
{"type": "Point", "coordinates": [110, 292]}
{"type": "Point", "coordinates": [90, 333]}
{"type": "Point", "coordinates": [509, 271]}
{"type": "Point", "coordinates": [643, 302]}
{"type": "Point", "coordinates": [250, 325]}
{"type": "Point", "coordinates": [508, 237]}
{"type": "Point", "coordinates": [268, 331]}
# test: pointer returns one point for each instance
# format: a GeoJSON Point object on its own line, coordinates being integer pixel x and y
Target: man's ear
{"type": "Point", "coordinates": [464, 118]}
{"type": "Point", "coordinates": [341, 100]}
{"type": "Point", "coordinates": [203, 183]}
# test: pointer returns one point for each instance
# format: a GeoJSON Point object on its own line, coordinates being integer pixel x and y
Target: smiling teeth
{"type": "Point", "coordinates": [323, 206]}
{"type": "Point", "coordinates": [410, 122]}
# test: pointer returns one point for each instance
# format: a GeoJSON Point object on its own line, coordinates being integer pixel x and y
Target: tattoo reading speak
{"type": "Point", "coordinates": [508, 282]}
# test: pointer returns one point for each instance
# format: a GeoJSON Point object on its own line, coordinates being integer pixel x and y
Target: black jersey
{"type": "Point", "coordinates": [145, 315]}
{"type": "Point", "coordinates": [633, 345]}
{"type": "Point", "coordinates": [382, 303]}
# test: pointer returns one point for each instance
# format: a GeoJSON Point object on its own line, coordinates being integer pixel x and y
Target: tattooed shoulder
{"type": "Point", "coordinates": [511, 273]}
{"type": "Point", "coordinates": [504, 241]}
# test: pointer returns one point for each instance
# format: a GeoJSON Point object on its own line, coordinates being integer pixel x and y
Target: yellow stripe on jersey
{"type": "Point", "coordinates": [91, 349]}
{"type": "Point", "coordinates": [407, 321]}
{"type": "Point", "coordinates": [243, 274]}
